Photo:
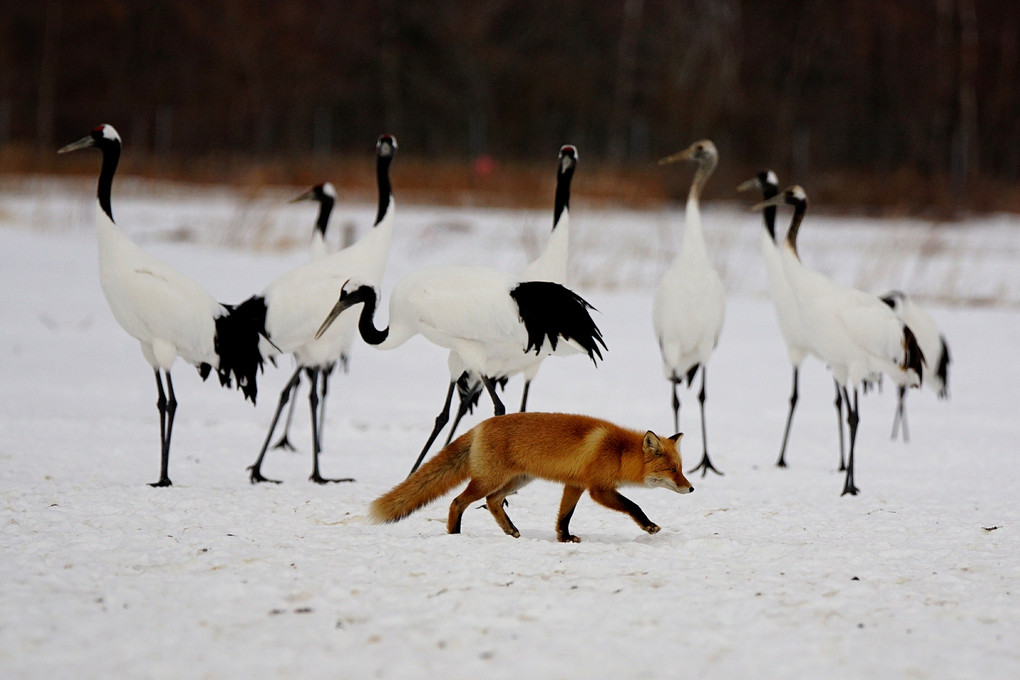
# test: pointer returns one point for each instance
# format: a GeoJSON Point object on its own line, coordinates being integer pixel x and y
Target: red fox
{"type": "Point", "coordinates": [503, 453]}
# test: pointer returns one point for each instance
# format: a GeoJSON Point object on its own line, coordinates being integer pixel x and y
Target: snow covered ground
{"type": "Point", "coordinates": [762, 573]}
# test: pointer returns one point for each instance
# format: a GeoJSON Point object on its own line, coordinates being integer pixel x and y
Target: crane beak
{"type": "Point", "coordinates": [775, 200]}
{"type": "Point", "coordinates": [307, 196]}
{"type": "Point", "coordinates": [748, 185]}
{"type": "Point", "coordinates": [684, 155]}
{"type": "Point", "coordinates": [341, 305]}
{"type": "Point", "coordinates": [677, 157]}
{"type": "Point", "coordinates": [83, 143]}
{"type": "Point", "coordinates": [337, 310]}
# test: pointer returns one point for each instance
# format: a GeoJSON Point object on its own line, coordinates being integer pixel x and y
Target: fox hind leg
{"type": "Point", "coordinates": [475, 490]}
{"type": "Point", "coordinates": [495, 505]}
{"type": "Point", "coordinates": [614, 500]}
{"type": "Point", "coordinates": [496, 500]}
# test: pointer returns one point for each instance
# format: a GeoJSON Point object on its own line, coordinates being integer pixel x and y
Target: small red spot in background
{"type": "Point", "coordinates": [484, 166]}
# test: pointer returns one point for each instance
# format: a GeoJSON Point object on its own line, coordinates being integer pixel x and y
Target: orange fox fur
{"type": "Point", "coordinates": [502, 454]}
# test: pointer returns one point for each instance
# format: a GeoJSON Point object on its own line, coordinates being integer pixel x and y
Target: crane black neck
{"type": "Point", "coordinates": [382, 175]}
{"type": "Point", "coordinates": [799, 208]}
{"type": "Point", "coordinates": [769, 213]}
{"type": "Point", "coordinates": [325, 209]}
{"type": "Point", "coordinates": [111, 156]}
{"type": "Point", "coordinates": [562, 194]}
{"type": "Point", "coordinates": [366, 326]}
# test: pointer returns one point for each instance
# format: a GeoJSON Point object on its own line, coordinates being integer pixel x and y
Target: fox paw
{"type": "Point", "coordinates": [569, 538]}
{"type": "Point", "coordinates": [653, 528]}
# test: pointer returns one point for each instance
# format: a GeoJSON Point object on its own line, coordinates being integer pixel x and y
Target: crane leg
{"type": "Point", "coordinates": [676, 405]}
{"type": "Point", "coordinates": [284, 441]}
{"type": "Point", "coordinates": [255, 470]}
{"type": "Point", "coordinates": [314, 375]}
{"type": "Point", "coordinates": [852, 419]}
{"type": "Point", "coordinates": [466, 400]}
{"type": "Point", "coordinates": [789, 419]}
{"type": "Point", "coordinates": [325, 374]}
{"type": "Point", "coordinates": [706, 464]}
{"type": "Point", "coordinates": [498, 408]}
{"type": "Point", "coordinates": [462, 409]}
{"type": "Point", "coordinates": [441, 420]}
{"type": "Point", "coordinates": [839, 421]}
{"type": "Point", "coordinates": [171, 409]}
{"type": "Point", "coordinates": [166, 407]}
{"type": "Point", "coordinates": [524, 396]}
{"type": "Point", "coordinates": [901, 415]}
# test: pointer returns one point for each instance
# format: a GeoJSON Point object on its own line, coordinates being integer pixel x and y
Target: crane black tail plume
{"type": "Point", "coordinates": [943, 369]}
{"type": "Point", "coordinates": [913, 358]}
{"type": "Point", "coordinates": [237, 344]}
{"type": "Point", "coordinates": [551, 310]}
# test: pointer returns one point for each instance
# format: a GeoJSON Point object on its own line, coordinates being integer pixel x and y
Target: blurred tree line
{"type": "Point", "coordinates": [903, 95]}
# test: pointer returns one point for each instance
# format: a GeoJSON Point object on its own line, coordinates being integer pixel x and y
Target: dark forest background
{"type": "Point", "coordinates": [897, 105]}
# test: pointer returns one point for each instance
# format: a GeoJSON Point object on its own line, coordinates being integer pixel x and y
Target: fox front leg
{"type": "Point", "coordinates": [614, 500]}
{"type": "Point", "coordinates": [571, 494]}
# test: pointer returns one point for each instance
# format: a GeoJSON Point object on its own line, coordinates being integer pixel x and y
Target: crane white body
{"type": "Point", "coordinates": [168, 313]}
{"type": "Point", "coordinates": [689, 304]}
{"type": "Point", "coordinates": [852, 331]}
{"type": "Point", "coordinates": [469, 310]}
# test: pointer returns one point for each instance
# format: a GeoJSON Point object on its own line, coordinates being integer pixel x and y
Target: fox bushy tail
{"type": "Point", "coordinates": [442, 472]}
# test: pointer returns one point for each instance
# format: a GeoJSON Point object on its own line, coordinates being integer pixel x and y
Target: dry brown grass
{"type": "Point", "coordinates": [516, 184]}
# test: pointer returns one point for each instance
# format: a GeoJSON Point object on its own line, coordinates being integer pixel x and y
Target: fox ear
{"type": "Point", "coordinates": [677, 437]}
{"type": "Point", "coordinates": [652, 444]}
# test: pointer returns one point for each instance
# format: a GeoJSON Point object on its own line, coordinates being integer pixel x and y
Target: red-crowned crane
{"type": "Point", "coordinates": [933, 344]}
{"type": "Point", "coordinates": [168, 313]}
{"type": "Point", "coordinates": [294, 305]}
{"type": "Point", "coordinates": [550, 265]}
{"type": "Point", "coordinates": [690, 303]}
{"type": "Point", "coordinates": [853, 332]}
{"type": "Point", "coordinates": [325, 195]}
{"type": "Point", "coordinates": [786, 306]}
{"type": "Point", "coordinates": [485, 317]}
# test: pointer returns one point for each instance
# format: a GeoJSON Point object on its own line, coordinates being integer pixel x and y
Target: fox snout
{"type": "Point", "coordinates": [668, 483]}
